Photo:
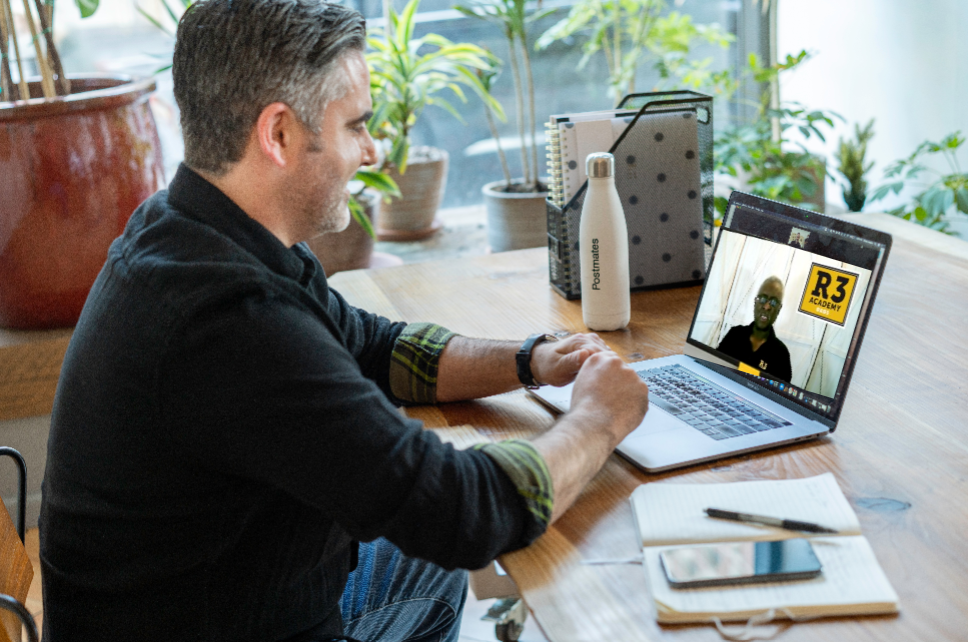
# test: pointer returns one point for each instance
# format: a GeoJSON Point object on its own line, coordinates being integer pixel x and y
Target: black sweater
{"type": "Point", "coordinates": [222, 435]}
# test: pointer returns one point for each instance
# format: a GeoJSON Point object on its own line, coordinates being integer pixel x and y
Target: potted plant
{"type": "Point", "coordinates": [758, 155]}
{"type": "Point", "coordinates": [943, 203]}
{"type": "Point", "coordinates": [62, 198]}
{"type": "Point", "coordinates": [516, 214]}
{"type": "Point", "coordinates": [852, 164]}
{"type": "Point", "coordinates": [407, 75]}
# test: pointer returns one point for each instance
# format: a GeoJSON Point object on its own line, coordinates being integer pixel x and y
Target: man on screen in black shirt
{"type": "Point", "coordinates": [756, 344]}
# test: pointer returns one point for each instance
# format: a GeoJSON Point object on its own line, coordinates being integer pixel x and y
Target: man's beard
{"type": "Point", "coordinates": [334, 216]}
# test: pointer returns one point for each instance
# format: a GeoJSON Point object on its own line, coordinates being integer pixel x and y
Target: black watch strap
{"type": "Point", "coordinates": [523, 359]}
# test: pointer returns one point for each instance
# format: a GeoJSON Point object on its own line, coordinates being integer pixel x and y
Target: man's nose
{"type": "Point", "coordinates": [369, 151]}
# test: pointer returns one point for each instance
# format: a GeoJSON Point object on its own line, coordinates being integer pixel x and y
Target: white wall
{"type": "Point", "coordinates": [901, 62]}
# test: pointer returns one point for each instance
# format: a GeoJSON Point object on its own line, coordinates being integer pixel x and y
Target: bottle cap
{"type": "Point", "coordinates": [600, 165]}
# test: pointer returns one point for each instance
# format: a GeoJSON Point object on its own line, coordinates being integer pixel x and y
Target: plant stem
{"type": "Point", "coordinates": [497, 141]}
{"type": "Point", "coordinates": [775, 81]}
{"type": "Point", "coordinates": [24, 89]}
{"type": "Point", "coordinates": [387, 25]}
{"type": "Point", "coordinates": [6, 80]}
{"type": "Point", "coordinates": [46, 26]}
{"type": "Point", "coordinates": [519, 104]}
{"type": "Point", "coordinates": [606, 43]}
{"type": "Point", "coordinates": [617, 17]}
{"type": "Point", "coordinates": [46, 75]}
{"type": "Point", "coordinates": [531, 110]}
{"type": "Point", "coordinates": [645, 22]}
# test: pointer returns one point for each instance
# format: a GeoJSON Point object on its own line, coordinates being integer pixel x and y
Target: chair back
{"type": "Point", "coordinates": [16, 571]}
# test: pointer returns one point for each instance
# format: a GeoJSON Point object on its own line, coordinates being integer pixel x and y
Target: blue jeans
{"type": "Point", "coordinates": [394, 598]}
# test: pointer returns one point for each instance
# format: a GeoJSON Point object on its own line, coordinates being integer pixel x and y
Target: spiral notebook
{"type": "Point", "coordinates": [667, 167]}
{"type": "Point", "coordinates": [571, 138]}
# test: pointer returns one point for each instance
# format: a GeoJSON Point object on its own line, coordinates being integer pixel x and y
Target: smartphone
{"type": "Point", "coordinates": [740, 563]}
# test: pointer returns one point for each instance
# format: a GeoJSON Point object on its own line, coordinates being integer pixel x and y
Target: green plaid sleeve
{"type": "Point", "coordinates": [528, 471]}
{"type": "Point", "coordinates": [413, 364]}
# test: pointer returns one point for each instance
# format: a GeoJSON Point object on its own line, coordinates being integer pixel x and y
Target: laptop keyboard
{"type": "Point", "coordinates": [708, 408]}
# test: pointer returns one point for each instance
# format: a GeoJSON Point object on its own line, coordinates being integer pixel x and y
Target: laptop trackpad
{"type": "Point", "coordinates": [657, 420]}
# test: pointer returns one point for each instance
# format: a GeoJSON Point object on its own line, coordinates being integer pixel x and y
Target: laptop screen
{"type": "Point", "coordinates": [786, 301]}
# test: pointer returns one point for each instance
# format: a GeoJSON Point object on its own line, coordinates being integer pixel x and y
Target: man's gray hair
{"type": "Point", "coordinates": [233, 58]}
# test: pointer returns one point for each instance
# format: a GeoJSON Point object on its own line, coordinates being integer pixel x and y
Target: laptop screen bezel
{"type": "Point", "coordinates": [796, 215]}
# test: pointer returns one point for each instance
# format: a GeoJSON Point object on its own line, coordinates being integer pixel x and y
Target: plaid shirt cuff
{"type": "Point", "coordinates": [528, 471]}
{"type": "Point", "coordinates": [413, 364]}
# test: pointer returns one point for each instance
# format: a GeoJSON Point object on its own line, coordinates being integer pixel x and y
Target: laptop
{"type": "Point", "coordinates": [772, 344]}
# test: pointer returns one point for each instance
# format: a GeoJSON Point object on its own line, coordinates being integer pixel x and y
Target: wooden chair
{"type": "Point", "coordinates": [16, 572]}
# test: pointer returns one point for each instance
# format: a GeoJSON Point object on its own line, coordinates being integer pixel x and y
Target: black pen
{"type": "Point", "coordinates": [787, 524]}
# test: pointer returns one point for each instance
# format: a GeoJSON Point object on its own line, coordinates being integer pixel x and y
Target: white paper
{"type": "Point", "coordinates": [673, 513]}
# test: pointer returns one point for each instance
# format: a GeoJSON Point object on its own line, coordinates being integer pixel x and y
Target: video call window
{"type": "Point", "coordinates": [779, 311]}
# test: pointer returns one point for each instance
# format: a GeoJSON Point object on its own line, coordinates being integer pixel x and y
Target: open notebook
{"type": "Point", "coordinates": [671, 515]}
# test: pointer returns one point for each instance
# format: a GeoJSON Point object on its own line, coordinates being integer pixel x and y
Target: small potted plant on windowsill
{"type": "Point", "coordinates": [516, 214]}
{"type": "Point", "coordinates": [404, 82]}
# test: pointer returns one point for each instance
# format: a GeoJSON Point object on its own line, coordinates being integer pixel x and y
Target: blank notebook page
{"type": "Point", "coordinates": [673, 513]}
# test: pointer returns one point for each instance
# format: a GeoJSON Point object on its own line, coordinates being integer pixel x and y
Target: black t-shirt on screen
{"type": "Point", "coordinates": [771, 358]}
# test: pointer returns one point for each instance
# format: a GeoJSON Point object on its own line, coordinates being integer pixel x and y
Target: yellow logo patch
{"type": "Point", "coordinates": [828, 293]}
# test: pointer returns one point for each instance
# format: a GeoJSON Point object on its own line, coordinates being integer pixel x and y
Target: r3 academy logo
{"type": "Point", "coordinates": [828, 293]}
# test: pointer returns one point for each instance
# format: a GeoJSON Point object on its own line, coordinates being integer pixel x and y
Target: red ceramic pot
{"type": "Point", "coordinates": [72, 170]}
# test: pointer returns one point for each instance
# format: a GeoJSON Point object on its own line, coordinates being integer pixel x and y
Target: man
{"type": "Point", "coordinates": [224, 434]}
{"type": "Point", "coordinates": [756, 344]}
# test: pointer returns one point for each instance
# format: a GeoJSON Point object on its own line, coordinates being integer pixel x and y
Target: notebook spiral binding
{"type": "Point", "coordinates": [553, 145]}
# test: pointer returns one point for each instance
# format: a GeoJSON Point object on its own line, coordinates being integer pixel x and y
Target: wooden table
{"type": "Point", "coordinates": [900, 452]}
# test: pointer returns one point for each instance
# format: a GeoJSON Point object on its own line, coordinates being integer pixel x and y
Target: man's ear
{"type": "Point", "coordinates": [276, 132]}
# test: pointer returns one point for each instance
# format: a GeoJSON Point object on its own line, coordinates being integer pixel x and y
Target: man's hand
{"type": "Point", "coordinates": [557, 362]}
{"type": "Point", "coordinates": [607, 403]}
{"type": "Point", "coordinates": [611, 392]}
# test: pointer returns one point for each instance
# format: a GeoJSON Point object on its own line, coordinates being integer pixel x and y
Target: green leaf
{"type": "Point", "coordinates": [87, 7]}
{"type": "Point", "coordinates": [880, 192]}
{"type": "Point", "coordinates": [961, 198]}
{"type": "Point", "coordinates": [936, 201]}
{"type": "Point", "coordinates": [721, 203]}
{"type": "Point", "coordinates": [170, 12]}
{"type": "Point", "coordinates": [356, 211]}
{"type": "Point", "coordinates": [953, 141]}
{"type": "Point", "coordinates": [378, 181]}
{"type": "Point", "coordinates": [150, 18]}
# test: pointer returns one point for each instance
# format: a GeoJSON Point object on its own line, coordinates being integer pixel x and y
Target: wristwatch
{"type": "Point", "coordinates": [523, 359]}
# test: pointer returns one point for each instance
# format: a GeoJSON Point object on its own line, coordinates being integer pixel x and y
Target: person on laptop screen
{"type": "Point", "coordinates": [756, 344]}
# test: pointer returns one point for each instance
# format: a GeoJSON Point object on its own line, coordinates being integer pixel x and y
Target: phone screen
{"type": "Point", "coordinates": [740, 563]}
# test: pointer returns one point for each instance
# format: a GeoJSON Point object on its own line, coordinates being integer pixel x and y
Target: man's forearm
{"type": "Point", "coordinates": [473, 368]}
{"type": "Point", "coordinates": [574, 453]}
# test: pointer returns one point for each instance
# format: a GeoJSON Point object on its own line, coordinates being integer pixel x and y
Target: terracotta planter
{"type": "Point", "coordinates": [413, 216]}
{"type": "Point", "coordinates": [515, 220]}
{"type": "Point", "coordinates": [72, 170]}
{"type": "Point", "coordinates": [352, 248]}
